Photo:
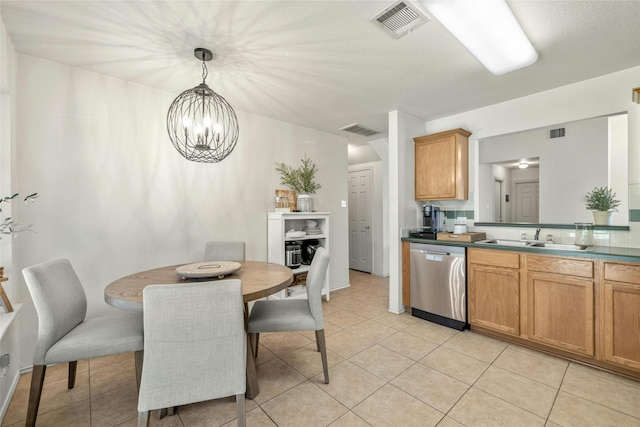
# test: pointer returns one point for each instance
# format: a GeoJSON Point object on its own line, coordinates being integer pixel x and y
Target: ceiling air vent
{"type": "Point", "coordinates": [359, 130]}
{"type": "Point", "coordinates": [556, 133]}
{"type": "Point", "coordinates": [400, 19]}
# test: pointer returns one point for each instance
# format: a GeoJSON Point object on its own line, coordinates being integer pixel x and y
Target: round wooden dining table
{"type": "Point", "coordinates": [259, 280]}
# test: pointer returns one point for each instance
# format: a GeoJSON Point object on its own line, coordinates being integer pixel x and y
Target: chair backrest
{"type": "Point", "coordinates": [194, 343]}
{"type": "Point", "coordinates": [224, 251]}
{"type": "Point", "coordinates": [315, 280]}
{"type": "Point", "coordinates": [59, 300]}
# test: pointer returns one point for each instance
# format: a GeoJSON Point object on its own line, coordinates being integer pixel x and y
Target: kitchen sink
{"type": "Point", "coordinates": [536, 244]}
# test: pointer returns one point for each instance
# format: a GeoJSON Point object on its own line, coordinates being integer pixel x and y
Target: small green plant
{"type": "Point", "coordinates": [9, 226]}
{"type": "Point", "coordinates": [602, 199]}
{"type": "Point", "coordinates": [302, 179]}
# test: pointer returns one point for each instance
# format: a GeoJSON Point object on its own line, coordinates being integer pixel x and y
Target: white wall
{"type": "Point", "coordinates": [116, 197]}
{"type": "Point", "coordinates": [9, 343]}
{"type": "Point", "coordinates": [403, 211]}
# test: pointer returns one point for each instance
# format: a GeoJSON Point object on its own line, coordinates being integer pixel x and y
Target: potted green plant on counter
{"type": "Point", "coordinates": [602, 202]}
{"type": "Point", "coordinates": [301, 180]}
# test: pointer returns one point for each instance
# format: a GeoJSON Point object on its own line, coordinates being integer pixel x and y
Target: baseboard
{"type": "Point", "coordinates": [397, 312]}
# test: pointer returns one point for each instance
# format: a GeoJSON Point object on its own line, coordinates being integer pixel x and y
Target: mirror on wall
{"type": "Point", "coordinates": [542, 175]}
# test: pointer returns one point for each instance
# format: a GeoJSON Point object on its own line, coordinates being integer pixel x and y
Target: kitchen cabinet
{"type": "Point", "coordinates": [278, 224]}
{"type": "Point", "coordinates": [587, 309]}
{"type": "Point", "coordinates": [494, 290]}
{"type": "Point", "coordinates": [560, 303]}
{"type": "Point", "coordinates": [441, 166]}
{"type": "Point", "coordinates": [622, 314]}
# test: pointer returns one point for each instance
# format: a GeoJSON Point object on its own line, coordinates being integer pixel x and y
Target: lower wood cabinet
{"type": "Point", "coordinates": [560, 312]}
{"type": "Point", "coordinates": [622, 314]}
{"type": "Point", "coordinates": [494, 298]}
{"type": "Point", "coordinates": [494, 290]}
{"type": "Point", "coordinates": [560, 302]}
{"type": "Point", "coordinates": [582, 308]}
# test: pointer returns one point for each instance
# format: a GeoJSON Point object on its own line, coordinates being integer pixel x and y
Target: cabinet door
{"type": "Point", "coordinates": [560, 312]}
{"type": "Point", "coordinates": [494, 298]}
{"type": "Point", "coordinates": [622, 324]}
{"type": "Point", "coordinates": [436, 169]}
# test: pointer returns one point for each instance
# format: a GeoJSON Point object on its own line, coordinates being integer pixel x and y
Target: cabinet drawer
{"type": "Point", "coordinates": [627, 273]}
{"type": "Point", "coordinates": [559, 265]}
{"type": "Point", "coordinates": [493, 257]}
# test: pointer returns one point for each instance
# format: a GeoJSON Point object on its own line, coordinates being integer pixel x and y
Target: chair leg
{"type": "Point", "coordinates": [254, 340]}
{"type": "Point", "coordinates": [143, 419]}
{"type": "Point", "coordinates": [71, 382]}
{"type": "Point", "coordinates": [322, 347]}
{"type": "Point", "coordinates": [37, 381]}
{"type": "Point", "coordinates": [139, 357]}
{"type": "Point", "coordinates": [242, 419]}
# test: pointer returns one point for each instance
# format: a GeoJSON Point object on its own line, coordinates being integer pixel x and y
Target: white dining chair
{"type": "Point", "coordinates": [295, 314]}
{"type": "Point", "coordinates": [195, 346]}
{"type": "Point", "coordinates": [64, 332]}
{"type": "Point", "coordinates": [224, 251]}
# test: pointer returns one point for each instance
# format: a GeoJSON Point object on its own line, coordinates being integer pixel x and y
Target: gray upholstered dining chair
{"type": "Point", "coordinates": [224, 251]}
{"type": "Point", "coordinates": [295, 314]}
{"type": "Point", "coordinates": [195, 346]}
{"type": "Point", "coordinates": [64, 332]}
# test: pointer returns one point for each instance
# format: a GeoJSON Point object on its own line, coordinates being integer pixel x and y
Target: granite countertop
{"type": "Point", "coordinates": [608, 252]}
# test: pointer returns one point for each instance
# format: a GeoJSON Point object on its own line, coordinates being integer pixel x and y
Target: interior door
{"type": "Point", "coordinates": [360, 246]}
{"type": "Point", "coordinates": [527, 202]}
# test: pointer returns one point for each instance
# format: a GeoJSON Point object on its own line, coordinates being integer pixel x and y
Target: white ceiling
{"type": "Point", "coordinates": [321, 64]}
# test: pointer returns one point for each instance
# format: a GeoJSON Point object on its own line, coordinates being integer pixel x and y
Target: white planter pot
{"type": "Point", "coordinates": [602, 217]}
{"type": "Point", "coordinates": [304, 202]}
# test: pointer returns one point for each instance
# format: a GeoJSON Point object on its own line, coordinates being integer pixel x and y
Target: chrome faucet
{"type": "Point", "coordinates": [537, 235]}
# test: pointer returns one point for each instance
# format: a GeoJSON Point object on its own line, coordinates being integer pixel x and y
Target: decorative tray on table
{"type": "Point", "coordinates": [206, 269]}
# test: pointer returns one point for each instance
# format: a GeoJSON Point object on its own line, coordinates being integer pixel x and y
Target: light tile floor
{"type": "Point", "coordinates": [385, 370]}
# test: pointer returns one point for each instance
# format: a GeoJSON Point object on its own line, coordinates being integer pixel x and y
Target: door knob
{"type": "Point", "coordinates": [367, 227]}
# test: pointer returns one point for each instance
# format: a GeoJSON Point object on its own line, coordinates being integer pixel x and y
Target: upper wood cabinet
{"type": "Point", "coordinates": [442, 165]}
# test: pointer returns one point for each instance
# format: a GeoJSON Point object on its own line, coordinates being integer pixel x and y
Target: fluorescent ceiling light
{"type": "Point", "coordinates": [523, 165]}
{"type": "Point", "coordinates": [488, 30]}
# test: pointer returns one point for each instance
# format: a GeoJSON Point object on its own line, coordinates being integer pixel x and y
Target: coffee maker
{"type": "Point", "coordinates": [432, 223]}
{"type": "Point", "coordinates": [432, 218]}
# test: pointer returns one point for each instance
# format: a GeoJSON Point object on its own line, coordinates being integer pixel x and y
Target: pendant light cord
{"type": "Point", "coordinates": [205, 72]}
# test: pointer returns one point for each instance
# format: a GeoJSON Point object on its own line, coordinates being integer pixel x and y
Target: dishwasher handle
{"type": "Point", "coordinates": [424, 251]}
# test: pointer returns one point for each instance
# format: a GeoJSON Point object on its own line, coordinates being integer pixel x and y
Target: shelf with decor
{"type": "Point", "coordinates": [289, 229]}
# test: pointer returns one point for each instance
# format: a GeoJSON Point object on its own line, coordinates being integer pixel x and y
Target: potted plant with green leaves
{"type": "Point", "coordinates": [301, 180]}
{"type": "Point", "coordinates": [602, 202]}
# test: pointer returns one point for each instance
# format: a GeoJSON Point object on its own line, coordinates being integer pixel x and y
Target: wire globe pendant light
{"type": "Point", "coordinates": [202, 125]}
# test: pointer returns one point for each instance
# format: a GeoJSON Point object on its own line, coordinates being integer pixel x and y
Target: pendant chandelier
{"type": "Point", "coordinates": [202, 125]}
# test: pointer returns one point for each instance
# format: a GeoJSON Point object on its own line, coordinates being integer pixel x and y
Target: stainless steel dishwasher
{"type": "Point", "coordinates": [438, 284]}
